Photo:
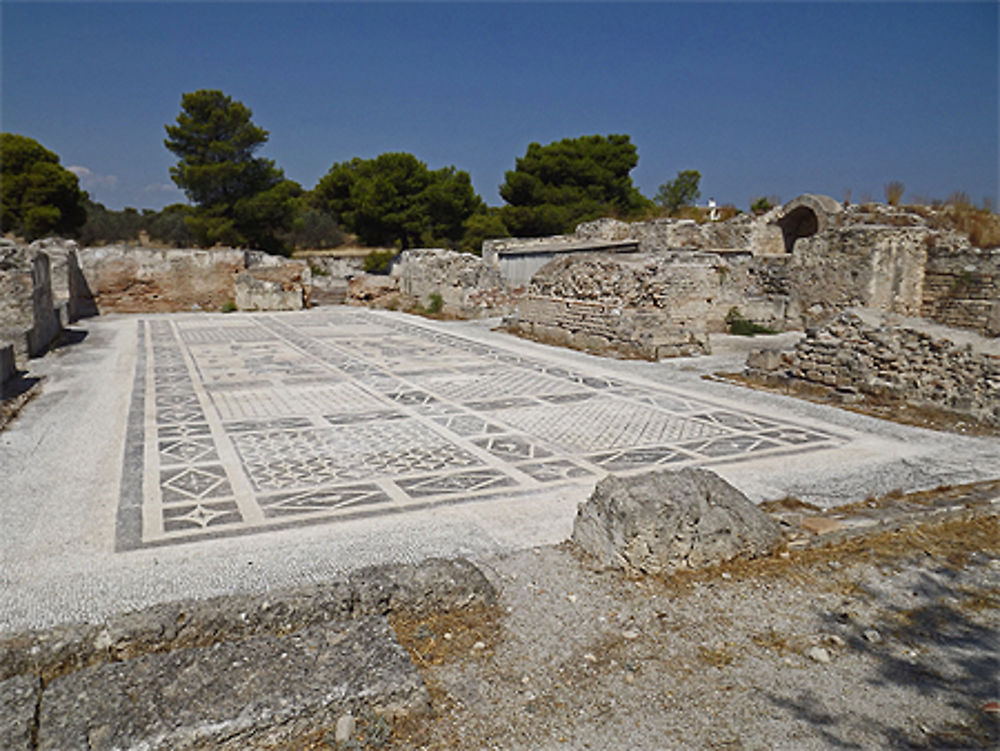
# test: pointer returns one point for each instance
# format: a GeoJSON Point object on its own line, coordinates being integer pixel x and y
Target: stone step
{"type": "Point", "coordinates": [263, 692]}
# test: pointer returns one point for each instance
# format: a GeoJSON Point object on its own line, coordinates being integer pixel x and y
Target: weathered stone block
{"type": "Point", "coordinates": [661, 522]}
{"type": "Point", "coordinates": [764, 359]}
{"type": "Point", "coordinates": [18, 701]}
{"type": "Point", "coordinates": [264, 692]}
{"type": "Point", "coordinates": [262, 294]}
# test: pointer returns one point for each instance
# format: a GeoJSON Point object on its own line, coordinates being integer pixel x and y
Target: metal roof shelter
{"type": "Point", "coordinates": [518, 260]}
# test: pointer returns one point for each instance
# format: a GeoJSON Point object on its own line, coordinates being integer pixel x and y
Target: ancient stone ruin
{"type": "Point", "coordinates": [662, 522]}
{"type": "Point", "coordinates": [858, 357]}
{"type": "Point", "coordinates": [793, 267]}
{"type": "Point", "coordinates": [51, 283]}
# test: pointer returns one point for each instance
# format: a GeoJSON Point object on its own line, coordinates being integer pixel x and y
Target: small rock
{"type": "Point", "coordinates": [872, 636]}
{"type": "Point", "coordinates": [526, 680]}
{"type": "Point", "coordinates": [479, 646]}
{"type": "Point", "coordinates": [726, 575]}
{"type": "Point", "coordinates": [834, 641]}
{"type": "Point", "coordinates": [345, 729]}
{"type": "Point", "coordinates": [818, 654]}
{"type": "Point", "coordinates": [590, 657]}
{"type": "Point", "coordinates": [571, 598]}
{"type": "Point", "coordinates": [630, 634]}
{"type": "Point", "coordinates": [448, 636]}
{"type": "Point", "coordinates": [821, 525]}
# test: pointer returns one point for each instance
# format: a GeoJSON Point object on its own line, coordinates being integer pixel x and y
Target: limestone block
{"type": "Point", "coordinates": [264, 692]}
{"type": "Point", "coordinates": [661, 522]}
{"type": "Point", "coordinates": [764, 359]}
{"type": "Point", "coordinates": [262, 294]}
{"type": "Point", "coordinates": [18, 700]}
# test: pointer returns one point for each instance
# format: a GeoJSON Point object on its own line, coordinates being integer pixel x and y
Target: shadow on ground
{"type": "Point", "coordinates": [938, 648]}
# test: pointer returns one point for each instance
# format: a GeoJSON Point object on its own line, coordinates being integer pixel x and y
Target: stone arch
{"type": "Point", "coordinates": [805, 216]}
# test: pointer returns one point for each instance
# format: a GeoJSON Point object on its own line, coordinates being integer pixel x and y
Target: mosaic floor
{"type": "Point", "coordinates": [243, 423]}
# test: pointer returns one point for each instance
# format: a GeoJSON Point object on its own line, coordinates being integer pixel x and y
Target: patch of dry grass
{"type": "Point", "coordinates": [437, 638]}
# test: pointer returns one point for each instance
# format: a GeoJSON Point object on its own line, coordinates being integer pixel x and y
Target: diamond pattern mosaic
{"type": "Point", "coordinates": [248, 423]}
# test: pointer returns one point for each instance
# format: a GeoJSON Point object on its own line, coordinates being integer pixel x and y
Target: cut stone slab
{"type": "Point", "coordinates": [660, 522]}
{"type": "Point", "coordinates": [18, 700]}
{"type": "Point", "coordinates": [432, 585]}
{"type": "Point", "coordinates": [262, 692]}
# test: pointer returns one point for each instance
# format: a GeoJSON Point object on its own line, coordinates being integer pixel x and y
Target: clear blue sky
{"type": "Point", "coordinates": [761, 98]}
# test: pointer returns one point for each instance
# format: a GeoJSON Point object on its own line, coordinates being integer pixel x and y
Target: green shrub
{"type": "Point", "coordinates": [379, 261]}
{"type": "Point", "coordinates": [229, 306]}
{"type": "Point", "coordinates": [742, 327]}
{"type": "Point", "coordinates": [436, 303]}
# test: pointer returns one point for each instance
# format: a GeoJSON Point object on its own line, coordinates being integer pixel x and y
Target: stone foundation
{"type": "Point", "coordinates": [28, 318]}
{"type": "Point", "coordinates": [899, 362]}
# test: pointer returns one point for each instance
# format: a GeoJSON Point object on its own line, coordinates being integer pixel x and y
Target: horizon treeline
{"type": "Point", "coordinates": [239, 199]}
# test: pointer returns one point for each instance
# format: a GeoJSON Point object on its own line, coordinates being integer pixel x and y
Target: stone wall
{"type": "Point", "coordinates": [124, 279]}
{"type": "Point", "coordinates": [758, 235]}
{"type": "Point", "coordinates": [851, 266]}
{"type": "Point", "coordinates": [468, 285]}
{"type": "Point", "coordinates": [961, 287]}
{"type": "Point", "coordinates": [795, 266]}
{"type": "Point", "coordinates": [901, 362]}
{"type": "Point", "coordinates": [70, 291]}
{"type": "Point", "coordinates": [28, 318]}
{"type": "Point", "coordinates": [641, 305]}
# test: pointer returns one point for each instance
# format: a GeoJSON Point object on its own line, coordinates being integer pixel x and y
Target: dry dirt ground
{"type": "Point", "coordinates": [884, 640]}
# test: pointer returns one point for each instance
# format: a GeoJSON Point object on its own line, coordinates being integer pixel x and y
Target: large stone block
{"type": "Point", "coordinates": [266, 692]}
{"type": "Point", "coordinates": [661, 522]}
{"type": "Point", "coordinates": [263, 294]}
{"type": "Point", "coordinates": [18, 701]}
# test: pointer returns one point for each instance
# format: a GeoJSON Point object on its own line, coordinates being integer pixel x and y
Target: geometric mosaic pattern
{"type": "Point", "coordinates": [244, 423]}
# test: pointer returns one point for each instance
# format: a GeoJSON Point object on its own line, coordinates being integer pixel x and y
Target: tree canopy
{"type": "Point", "coordinates": [395, 198]}
{"type": "Point", "coordinates": [241, 199]}
{"type": "Point", "coordinates": [681, 191]}
{"type": "Point", "coordinates": [555, 187]}
{"type": "Point", "coordinates": [38, 196]}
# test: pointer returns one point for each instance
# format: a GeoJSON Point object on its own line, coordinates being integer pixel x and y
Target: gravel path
{"type": "Point", "coordinates": [889, 640]}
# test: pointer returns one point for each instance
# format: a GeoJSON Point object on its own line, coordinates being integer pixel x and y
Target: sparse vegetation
{"type": "Point", "coordinates": [436, 303]}
{"type": "Point", "coordinates": [761, 205]}
{"type": "Point", "coordinates": [894, 192]}
{"type": "Point", "coordinates": [742, 327]}
{"type": "Point", "coordinates": [379, 261]}
{"type": "Point", "coordinates": [980, 225]}
{"type": "Point", "coordinates": [229, 306]}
